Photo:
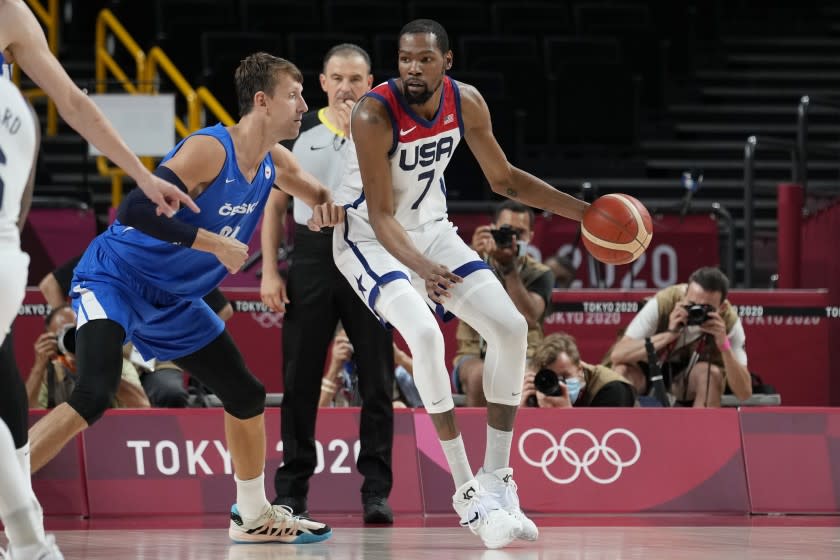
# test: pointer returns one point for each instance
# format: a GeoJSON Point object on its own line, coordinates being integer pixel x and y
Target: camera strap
{"type": "Point", "coordinates": [655, 375]}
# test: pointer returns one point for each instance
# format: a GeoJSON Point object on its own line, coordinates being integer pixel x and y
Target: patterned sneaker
{"type": "Point", "coordinates": [501, 485]}
{"type": "Point", "coordinates": [482, 513]}
{"type": "Point", "coordinates": [277, 524]}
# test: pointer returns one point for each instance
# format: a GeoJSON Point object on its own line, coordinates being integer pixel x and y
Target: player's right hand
{"type": "Point", "coordinates": [273, 292]}
{"type": "Point", "coordinates": [46, 348]}
{"type": "Point", "coordinates": [165, 195]}
{"type": "Point", "coordinates": [439, 280]}
{"type": "Point", "coordinates": [482, 241]}
{"type": "Point", "coordinates": [678, 318]}
{"type": "Point", "coordinates": [232, 253]}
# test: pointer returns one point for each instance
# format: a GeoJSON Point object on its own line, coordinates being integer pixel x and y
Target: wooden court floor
{"type": "Point", "coordinates": [561, 538]}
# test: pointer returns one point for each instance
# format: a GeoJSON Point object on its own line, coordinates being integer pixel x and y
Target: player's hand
{"type": "Point", "coordinates": [560, 401]}
{"type": "Point", "coordinates": [325, 215]}
{"type": "Point", "coordinates": [482, 241]}
{"type": "Point", "coordinates": [439, 280]}
{"type": "Point", "coordinates": [273, 292]}
{"type": "Point", "coordinates": [46, 348]}
{"type": "Point", "coordinates": [678, 318]}
{"type": "Point", "coordinates": [716, 327]}
{"type": "Point", "coordinates": [342, 350]}
{"type": "Point", "coordinates": [232, 253]}
{"type": "Point", "coordinates": [342, 113]}
{"type": "Point", "coordinates": [528, 388]}
{"type": "Point", "coordinates": [165, 195]}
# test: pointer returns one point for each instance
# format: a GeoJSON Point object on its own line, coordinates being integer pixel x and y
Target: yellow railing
{"type": "Point", "coordinates": [106, 22]}
{"type": "Point", "coordinates": [149, 66]}
{"type": "Point", "coordinates": [158, 59]}
{"type": "Point", "coordinates": [49, 18]}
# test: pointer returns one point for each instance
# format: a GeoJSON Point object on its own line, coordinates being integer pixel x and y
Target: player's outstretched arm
{"type": "Point", "coordinates": [373, 136]}
{"type": "Point", "coordinates": [504, 178]}
{"type": "Point", "coordinates": [29, 49]}
{"type": "Point", "coordinates": [293, 179]}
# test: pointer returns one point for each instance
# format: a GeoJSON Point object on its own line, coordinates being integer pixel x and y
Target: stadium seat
{"type": "Point", "coordinates": [363, 16]}
{"type": "Point", "coordinates": [307, 50]}
{"type": "Point", "coordinates": [458, 18]}
{"type": "Point", "coordinates": [283, 16]}
{"type": "Point", "coordinates": [531, 17]}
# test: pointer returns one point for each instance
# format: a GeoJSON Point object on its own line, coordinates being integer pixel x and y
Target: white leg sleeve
{"type": "Point", "coordinates": [482, 302]}
{"type": "Point", "coordinates": [19, 509]}
{"type": "Point", "coordinates": [402, 306]}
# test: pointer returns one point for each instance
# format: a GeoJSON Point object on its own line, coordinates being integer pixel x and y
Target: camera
{"type": "Point", "coordinates": [698, 313]}
{"type": "Point", "coordinates": [66, 339]}
{"type": "Point", "coordinates": [503, 236]}
{"type": "Point", "coordinates": [547, 383]}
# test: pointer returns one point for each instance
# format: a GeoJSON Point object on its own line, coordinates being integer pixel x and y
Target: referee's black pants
{"type": "Point", "coordinates": [320, 296]}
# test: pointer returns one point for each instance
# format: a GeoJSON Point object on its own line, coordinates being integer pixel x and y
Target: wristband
{"type": "Point", "coordinates": [727, 345]}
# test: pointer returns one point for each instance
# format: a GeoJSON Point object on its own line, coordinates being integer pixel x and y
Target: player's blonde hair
{"type": "Point", "coordinates": [261, 72]}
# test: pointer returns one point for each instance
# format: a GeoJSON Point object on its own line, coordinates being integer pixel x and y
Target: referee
{"type": "Point", "coordinates": [317, 297]}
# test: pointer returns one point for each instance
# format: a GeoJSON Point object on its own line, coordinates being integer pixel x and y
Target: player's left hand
{"type": "Point", "coordinates": [716, 327]}
{"type": "Point", "coordinates": [325, 215]}
{"type": "Point", "coordinates": [165, 195]}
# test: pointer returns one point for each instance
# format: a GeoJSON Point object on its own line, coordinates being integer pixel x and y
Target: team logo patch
{"type": "Point", "coordinates": [449, 118]}
{"type": "Point", "coordinates": [267, 172]}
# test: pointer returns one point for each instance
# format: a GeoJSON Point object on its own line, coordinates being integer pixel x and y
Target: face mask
{"type": "Point", "coordinates": [574, 386]}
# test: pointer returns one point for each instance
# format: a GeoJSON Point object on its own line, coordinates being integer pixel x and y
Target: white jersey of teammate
{"type": "Point", "coordinates": [420, 152]}
{"type": "Point", "coordinates": [17, 156]}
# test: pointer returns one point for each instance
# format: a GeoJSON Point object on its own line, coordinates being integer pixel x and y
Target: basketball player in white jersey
{"type": "Point", "coordinates": [399, 250]}
{"type": "Point", "coordinates": [22, 41]}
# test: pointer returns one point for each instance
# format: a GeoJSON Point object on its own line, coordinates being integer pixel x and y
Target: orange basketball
{"type": "Point", "coordinates": [616, 229]}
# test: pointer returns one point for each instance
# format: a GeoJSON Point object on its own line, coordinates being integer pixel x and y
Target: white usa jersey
{"type": "Point", "coordinates": [17, 155]}
{"type": "Point", "coordinates": [420, 151]}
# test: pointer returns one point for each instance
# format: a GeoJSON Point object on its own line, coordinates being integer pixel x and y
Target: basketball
{"type": "Point", "coordinates": [616, 229]}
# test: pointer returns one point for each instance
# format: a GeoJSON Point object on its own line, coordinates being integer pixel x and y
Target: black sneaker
{"type": "Point", "coordinates": [298, 505]}
{"type": "Point", "coordinates": [377, 510]}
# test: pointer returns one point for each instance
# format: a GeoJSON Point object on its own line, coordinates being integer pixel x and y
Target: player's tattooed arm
{"type": "Point", "coordinates": [504, 178]}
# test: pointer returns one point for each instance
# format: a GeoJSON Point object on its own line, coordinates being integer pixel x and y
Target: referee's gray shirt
{"type": "Point", "coordinates": [321, 149]}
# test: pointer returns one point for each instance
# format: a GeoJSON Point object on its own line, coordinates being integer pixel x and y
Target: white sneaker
{"type": "Point", "coordinates": [47, 550]}
{"type": "Point", "coordinates": [277, 524]}
{"type": "Point", "coordinates": [482, 513]}
{"type": "Point", "coordinates": [500, 483]}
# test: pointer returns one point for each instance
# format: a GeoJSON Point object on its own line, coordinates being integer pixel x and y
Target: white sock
{"type": "Point", "coordinates": [18, 508]}
{"type": "Point", "coordinates": [250, 497]}
{"type": "Point", "coordinates": [456, 456]}
{"type": "Point", "coordinates": [497, 452]}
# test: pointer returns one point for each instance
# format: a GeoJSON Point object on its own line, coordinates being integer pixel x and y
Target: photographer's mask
{"type": "Point", "coordinates": [574, 386]}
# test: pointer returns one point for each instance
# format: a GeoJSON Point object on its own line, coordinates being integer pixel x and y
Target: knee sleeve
{"type": "Point", "coordinates": [220, 366]}
{"type": "Point", "coordinates": [99, 365]}
{"type": "Point", "coordinates": [409, 314]}
{"type": "Point", "coordinates": [14, 404]}
{"type": "Point", "coordinates": [486, 307]}
{"type": "Point", "coordinates": [245, 398]}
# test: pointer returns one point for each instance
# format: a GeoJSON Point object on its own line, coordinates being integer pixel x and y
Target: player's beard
{"type": "Point", "coordinates": [422, 97]}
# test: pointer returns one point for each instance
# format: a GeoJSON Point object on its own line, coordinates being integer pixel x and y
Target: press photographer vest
{"type": "Point", "coordinates": [596, 377]}
{"type": "Point", "coordinates": [668, 298]}
{"type": "Point", "coordinates": [469, 341]}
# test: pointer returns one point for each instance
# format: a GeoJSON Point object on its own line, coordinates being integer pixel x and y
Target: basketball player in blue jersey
{"type": "Point", "coordinates": [400, 251]}
{"type": "Point", "coordinates": [143, 279]}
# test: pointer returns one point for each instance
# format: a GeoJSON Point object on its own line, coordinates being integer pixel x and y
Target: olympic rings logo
{"type": "Point", "coordinates": [268, 319]}
{"type": "Point", "coordinates": [581, 464]}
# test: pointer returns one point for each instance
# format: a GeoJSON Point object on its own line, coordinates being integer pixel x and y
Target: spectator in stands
{"type": "Point", "coordinates": [579, 384]}
{"type": "Point", "coordinates": [527, 282]}
{"type": "Point", "coordinates": [698, 340]}
{"type": "Point", "coordinates": [339, 386]}
{"type": "Point", "coordinates": [53, 375]}
{"type": "Point", "coordinates": [563, 269]}
{"type": "Point", "coordinates": [317, 297]}
{"type": "Point", "coordinates": [163, 382]}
